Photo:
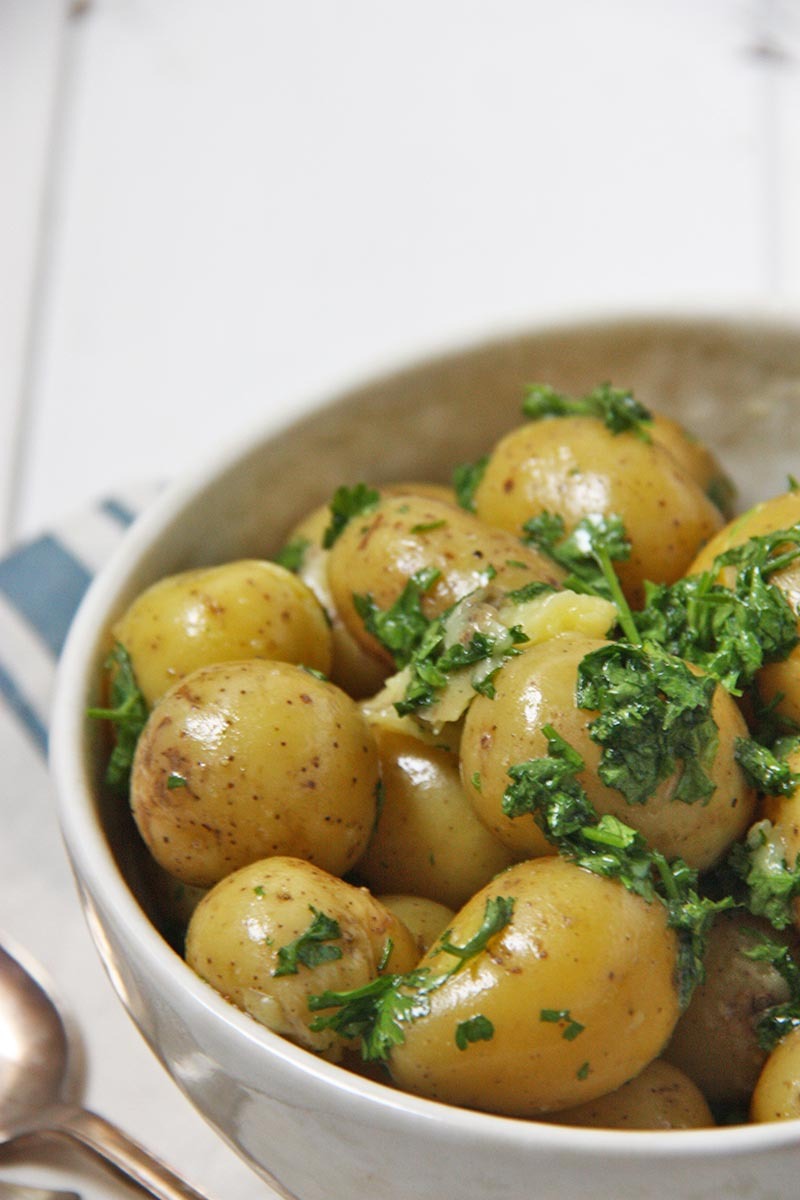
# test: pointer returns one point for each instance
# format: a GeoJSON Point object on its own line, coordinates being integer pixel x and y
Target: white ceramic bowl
{"type": "Point", "coordinates": [313, 1129]}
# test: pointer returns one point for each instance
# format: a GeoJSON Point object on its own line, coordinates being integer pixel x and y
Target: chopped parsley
{"type": "Point", "coordinates": [587, 554]}
{"type": "Point", "coordinates": [376, 1012]}
{"type": "Point", "coordinates": [466, 478]}
{"type": "Point", "coordinates": [176, 781]}
{"type": "Point", "coordinates": [765, 770]}
{"type": "Point", "coordinates": [468, 635]}
{"type": "Point", "coordinates": [654, 718]}
{"type": "Point", "coordinates": [312, 947]}
{"type": "Point", "coordinates": [428, 527]}
{"type": "Point", "coordinates": [771, 885]}
{"type": "Point", "coordinates": [474, 1029]}
{"type": "Point", "coordinates": [348, 502]}
{"type": "Point", "coordinates": [730, 631]}
{"type": "Point", "coordinates": [615, 407]}
{"type": "Point", "coordinates": [402, 627]}
{"type": "Point", "coordinates": [775, 1022]}
{"type": "Point", "coordinates": [582, 1071]}
{"type": "Point", "coordinates": [549, 789]}
{"type": "Point", "coordinates": [128, 713]}
{"type": "Point", "coordinates": [570, 1028]}
{"type": "Point", "coordinates": [293, 554]}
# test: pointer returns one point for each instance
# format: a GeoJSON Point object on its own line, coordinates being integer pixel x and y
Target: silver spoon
{"type": "Point", "coordinates": [34, 1061]}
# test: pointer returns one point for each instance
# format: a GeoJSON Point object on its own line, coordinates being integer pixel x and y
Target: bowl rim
{"type": "Point", "coordinates": [96, 869]}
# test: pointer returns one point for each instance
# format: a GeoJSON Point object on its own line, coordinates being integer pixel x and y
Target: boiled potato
{"type": "Point", "coordinates": [572, 998]}
{"type": "Point", "coordinates": [243, 940]}
{"type": "Point", "coordinates": [783, 815]}
{"type": "Point", "coordinates": [536, 689]}
{"type": "Point", "coordinates": [379, 551]}
{"type": "Point", "coordinates": [243, 609]}
{"type": "Point", "coordinates": [661, 1097]}
{"type": "Point", "coordinates": [246, 759]}
{"type": "Point", "coordinates": [574, 466]}
{"type": "Point", "coordinates": [427, 839]}
{"type": "Point", "coordinates": [715, 1042]}
{"type": "Point", "coordinates": [425, 920]}
{"type": "Point", "coordinates": [777, 1093]}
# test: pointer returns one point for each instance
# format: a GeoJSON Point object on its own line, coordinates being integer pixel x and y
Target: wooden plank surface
{"type": "Point", "coordinates": [256, 201]}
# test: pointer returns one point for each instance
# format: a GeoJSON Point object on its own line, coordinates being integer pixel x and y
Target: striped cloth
{"type": "Point", "coordinates": [41, 585]}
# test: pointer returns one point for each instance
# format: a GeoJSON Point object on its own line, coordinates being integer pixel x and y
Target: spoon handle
{"type": "Point", "coordinates": [111, 1144]}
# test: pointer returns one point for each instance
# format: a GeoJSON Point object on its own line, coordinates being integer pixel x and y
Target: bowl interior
{"type": "Point", "coordinates": [735, 383]}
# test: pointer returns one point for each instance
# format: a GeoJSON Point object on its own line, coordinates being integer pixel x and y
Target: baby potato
{"type": "Point", "coordinates": [425, 920]}
{"type": "Point", "coordinates": [777, 1093]}
{"type": "Point", "coordinates": [715, 1041]}
{"type": "Point", "coordinates": [427, 839]}
{"type": "Point", "coordinates": [243, 609]}
{"type": "Point", "coordinates": [276, 931]}
{"type": "Point", "coordinates": [575, 995]}
{"type": "Point", "coordinates": [378, 552]}
{"type": "Point", "coordinates": [537, 689]}
{"type": "Point", "coordinates": [574, 466]}
{"type": "Point", "coordinates": [245, 759]}
{"type": "Point", "coordinates": [661, 1097]}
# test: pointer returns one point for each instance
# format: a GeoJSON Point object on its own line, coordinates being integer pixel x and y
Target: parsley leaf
{"type": "Point", "coordinates": [654, 719]}
{"type": "Point", "coordinates": [402, 627]}
{"type": "Point", "coordinates": [128, 712]}
{"type": "Point", "coordinates": [771, 884]}
{"type": "Point", "coordinates": [466, 477]}
{"type": "Point", "coordinates": [376, 1012]}
{"type": "Point", "coordinates": [348, 502]}
{"type": "Point", "coordinates": [293, 554]}
{"type": "Point", "coordinates": [549, 789]}
{"type": "Point", "coordinates": [561, 1016]}
{"type": "Point", "coordinates": [729, 626]}
{"type": "Point", "coordinates": [615, 407]}
{"type": "Point", "coordinates": [779, 1019]}
{"type": "Point", "coordinates": [311, 948]}
{"type": "Point", "coordinates": [474, 1029]}
{"type": "Point", "coordinates": [765, 770]}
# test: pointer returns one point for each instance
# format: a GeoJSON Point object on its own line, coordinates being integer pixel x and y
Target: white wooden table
{"type": "Point", "coordinates": [209, 212]}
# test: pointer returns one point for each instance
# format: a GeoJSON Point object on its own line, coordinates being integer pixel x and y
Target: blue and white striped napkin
{"type": "Point", "coordinates": [41, 585]}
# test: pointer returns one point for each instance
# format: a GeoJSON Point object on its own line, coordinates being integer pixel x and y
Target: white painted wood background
{"type": "Point", "coordinates": [210, 210]}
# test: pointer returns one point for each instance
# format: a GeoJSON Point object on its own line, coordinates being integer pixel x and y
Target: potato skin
{"type": "Point", "coordinates": [715, 1041]}
{"type": "Point", "coordinates": [238, 929]}
{"type": "Point", "coordinates": [661, 1097]}
{"type": "Point", "coordinates": [574, 466]}
{"type": "Point", "coordinates": [427, 839]}
{"type": "Point", "coordinates": [777, 1093]}
{"type": "Point", "coordinates": [697, 461]}
{"type": "Point", "coordinates": [576, 943]}
{"type": "Point", "coordinates": [537, 688]}
{"type": "Point", "coordinates": [378, 552]}
{"type": "Point", "coordinates": [244, 609]}
{"type": "Point", "coordinates": [272, 761]}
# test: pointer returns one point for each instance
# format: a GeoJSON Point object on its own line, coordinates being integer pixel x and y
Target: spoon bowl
{"type": "Point", "coordinates": [36, 1083]}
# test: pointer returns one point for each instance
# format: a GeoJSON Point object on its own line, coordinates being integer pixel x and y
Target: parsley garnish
{"type": "Point", "coordinates": [615, 407]}
{"type": "Point", "coordinates": [548, 788]}
{"type": "Point", "coordinates": [654, 719]}
{"type": "Point", "coordinates": [293, 554]}
{"type": "Point", "coordinates": [771, 884]}
{"type": "Point", "coordinates": [775, 1022]}
{"type": "Point", "coordinates": [466, 478]}
{"type": "Point", "coordinates": [587, 554]}
{"type": "Point", "coordinates": [437, 655]}
{"type": "Point", "coordinates": [765, 770]}
{"type": "Point", "coordinates": [402, 627]}
{"type": "Point", "coordinates": [474, 1029]}
{"type": "Point", "coordinates": [561, 1016]}
{"type": "Point", "coordinates": [312, 947]}
{"type": "Point", "coordinates": [582, 1071]}
{"type": "Point", "coordinates": [348, 502]}
{"type": "Point", "coordinates": [175, 781]}
{"type": "Point", "coordinates": [127, 711]}
{"type": "Point", "coordinates": [427, 527]}
{"type": "Point", "coordinates": [376, 1012]}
